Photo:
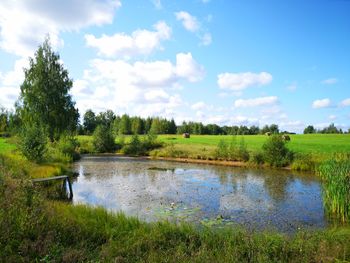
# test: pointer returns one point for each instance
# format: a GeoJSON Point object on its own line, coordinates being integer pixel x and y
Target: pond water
{"type": "Point", "coordinates": [202, 194]}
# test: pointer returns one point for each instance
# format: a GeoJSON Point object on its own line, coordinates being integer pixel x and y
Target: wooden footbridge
{"type": "Point", "coordinates": [64, 178]}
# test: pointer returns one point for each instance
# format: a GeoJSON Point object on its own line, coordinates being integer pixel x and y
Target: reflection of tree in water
{"type": "Point", "coordinates": [276, 184]}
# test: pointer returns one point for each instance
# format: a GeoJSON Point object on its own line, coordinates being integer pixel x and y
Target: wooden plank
{"type": "Point", "coordinates": [50, 178]}
{"type": "Point", "coordinates": [65, 179]}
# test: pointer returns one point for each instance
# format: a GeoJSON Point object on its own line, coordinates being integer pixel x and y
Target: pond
{"type": "Point", "coordinates": [202, 194]}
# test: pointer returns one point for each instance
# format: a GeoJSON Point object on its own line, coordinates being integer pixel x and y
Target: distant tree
{"type": "Point", "coordinates": [172, 127]}
{"type": "Point", "coordinates": [274, 129]}
{"type": "Point", "coordinates": [330, 129]}
{"type": "Point", "coordinates": [44, 97]}
{"type": "Point", "coordinates": [103, 139]}
{"type": "Point", "coordinates": [156, 127]}
{"type": "Point", "coordinates": [89, 122]}
{"type": "Point", "coordinates": [309, 129]}
{"type": "Point", "coordinates": [4, 119]}
{"type": "Point", "coordinates": [136, 125]}
{"type": "Point", "coordinates": [148, 124]}
{"type": "Point", "coordinates": [105, 118]}
{"type": "Point", "coordinates": [125, 125]}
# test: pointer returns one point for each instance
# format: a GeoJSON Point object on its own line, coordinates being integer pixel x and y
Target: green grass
{"type": "Point", "coordinates": [6, 146]}
{"type": "Point", "coordinates": [336, 177]}
{"type": "Point", "coordinates": [303, 143]}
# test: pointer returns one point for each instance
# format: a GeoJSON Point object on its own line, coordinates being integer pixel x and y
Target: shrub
{"type": "Point", "coordinates": [103, 140]}
{"type": "Point", "coordinates": [64, 150]}
{"type": "Point", "coordinates": [135, 147]}
{"type": "Point", "coordinates": [275, 152]}
{"type": "Point", "coordinates": [33, 141]}
{"type": "Point", "coordinates": [258, 158]}
{"type": "Point", "coordinates": [243, 153]}
{"type": "Point", "coordinates": [221, 151]}
{"type": "Point", "coordinates": [303, 162]}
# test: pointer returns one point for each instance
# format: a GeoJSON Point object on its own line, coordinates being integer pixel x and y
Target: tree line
{"type": "Point", "coordinates": [126, 124]}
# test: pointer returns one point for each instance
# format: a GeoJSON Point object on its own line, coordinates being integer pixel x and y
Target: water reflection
{"type": "Point", "coordinates": [154, 190]}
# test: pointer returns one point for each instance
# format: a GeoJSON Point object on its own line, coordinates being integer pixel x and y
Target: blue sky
{"type": "Point", "coordinates": [215, 61]}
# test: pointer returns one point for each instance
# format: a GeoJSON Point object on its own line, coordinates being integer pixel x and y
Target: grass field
{"type": "Point", "coordinates": [303, 143]}
{"type": "Point", "coordinates": [6, 146]}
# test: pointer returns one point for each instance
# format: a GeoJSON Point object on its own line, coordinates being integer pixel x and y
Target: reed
{"type": "Point", "coordinates": [336, 176]}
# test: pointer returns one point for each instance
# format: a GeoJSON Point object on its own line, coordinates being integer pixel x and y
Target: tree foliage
{"type": "Point", "coordinates": [103, 139]}
{"type": "Point", "coordinates": [275, 151]}
{"type": "Point", "coordinates": [33, 142]}
{"type": "Point", "coordinates": [44, 97]}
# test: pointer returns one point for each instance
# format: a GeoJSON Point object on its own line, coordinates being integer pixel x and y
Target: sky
{"type": "Point", "coordinates": [227, 62]}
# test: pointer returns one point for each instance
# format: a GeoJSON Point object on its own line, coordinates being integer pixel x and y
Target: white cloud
{"type": "Point", "coordinates": [241, 81]}
{"type": "Point", "coordinates": [140, 42]}
{"type": "Point", "coordinates": [199, 106]}
{"type": "Point", "coordinates": [141, 88]}
{"type": "Point", "coordinates": [332, 117]}
{"type": "Point", "coordinates": [189, 22]}
{"type": "Point", "coordinates": [322, 103]}
{"type": "Point", "coordinates": [206, 39]}
{"type": "Point", "coordinates": [330, 81]}
{"type": "Point", "coordinates": [292, 87]}
{"type": "Point", "coordinates": [25, 24]}
{"type": "Point", "coordinates": [345, 102]}
{"type": "Point", "coordinates": [262, 101]}
{"type": "Point", "coordinates": [157, 4]}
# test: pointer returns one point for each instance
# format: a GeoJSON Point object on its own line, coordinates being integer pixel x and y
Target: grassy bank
{"type": "Point", "coordinates": [35, 229]}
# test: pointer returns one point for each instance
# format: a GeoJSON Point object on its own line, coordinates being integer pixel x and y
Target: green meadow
{"type": "Point", "coordinates": [320, 144]}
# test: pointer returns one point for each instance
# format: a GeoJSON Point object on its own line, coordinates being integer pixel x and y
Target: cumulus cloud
{"type": "Point", "coordinates": [292, 87]}
{"type": "Point", "coordinates": [140, 42]}
{"type": "Point", "coordinates": [140, 88]}
{"type": "Point", "coordinates": [199, 106]}
{"type": "Point", "coordinates": [345, 102]}
{"type": "Point", "coordinates": [332, 117]}
{"type": "Point", "coordinates": [330, 81]}
{"type": "Point", "coordinates": [262, 101]}
{"type": "Point", "coordinates": [157, 4]}
{"type": "Point", "coordinates": [189, 22]}
{"type": "Point", "coordinates": [206, 39]}
{"type": "Point", "coordinates": [241, 81]}
{"type": "Point", "coordinates": [25, 24]}
{"type": "Point", "coordinates": [322, 103]}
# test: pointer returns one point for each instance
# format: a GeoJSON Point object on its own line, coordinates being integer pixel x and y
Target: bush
{"type": "Point", "coordinates": [103, 140]}
{"type": "Point", "coordinates": [303, 162]}
{"type": "Point", "coordinates": [135, 147]}
{"type": "Point", "coordinates": [33, 142]}
{"type": "Point", "coordinates": [258, 158]}
{"type": "Point", "coordinates": [275, 152]}
{"type": "Point", "coordinates": [221, 151]}
{"type": "Point", "coordinates": [243, 154]}
{"type": "Point", "coordinates": [64, 150]}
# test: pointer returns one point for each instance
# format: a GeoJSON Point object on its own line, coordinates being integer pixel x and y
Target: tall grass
{"type": "Point", "coordinates": [336, 176]}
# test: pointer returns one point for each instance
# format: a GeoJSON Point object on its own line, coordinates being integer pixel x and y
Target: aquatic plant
{"type": "Point", "coordinates": [336, 176]}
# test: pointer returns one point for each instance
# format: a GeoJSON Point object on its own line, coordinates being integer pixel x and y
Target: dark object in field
{"type": "Point", "coordinates": [5, 135]}
{"type": "Point", "coordinates": [186, 135]}
{"type": "Point", "coordinates": [161, 169]}
{"type": "Point", "coordinates": [268, 133]}
{"type": "Point", "coordinates": [286, 137]}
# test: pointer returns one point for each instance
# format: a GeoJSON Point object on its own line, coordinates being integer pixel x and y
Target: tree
{"type": "Point", "coordinates": [4, 119]}
{"type": "Point", "coordinates": [90, 121]}
{"type": "Point", "coordinates": [44, 97]}
{"type": "Point", "coordinates": [103, 139]}
{"type": "Point", "coordinates": [125, 125]}
{"type": "Point", "coordinates": [309, 129]}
